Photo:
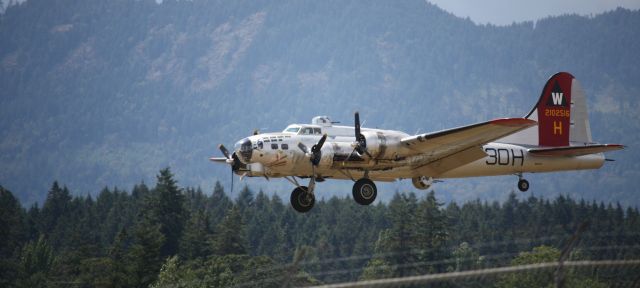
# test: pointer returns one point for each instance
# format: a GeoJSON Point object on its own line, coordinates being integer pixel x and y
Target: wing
{"type": "Point", "coordinates": [447, 149]}
{"type": "Point", "coordinates": [569, 151]}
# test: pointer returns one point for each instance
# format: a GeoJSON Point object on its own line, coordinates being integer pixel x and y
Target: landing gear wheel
{"type": "Point", "coordinates": [364, 191]}
{"type": "Point", "coordinates": [301, 200]}
{"type": "Point", "coordinates": [523, 185]}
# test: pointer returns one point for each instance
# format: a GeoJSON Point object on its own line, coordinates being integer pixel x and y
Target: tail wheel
{"type": "Point", "coordinates": [301, 200]}
{"type": "Point", "coordinates": [364, 191]}
{"type": "Point", "coordinates": [523, 185]}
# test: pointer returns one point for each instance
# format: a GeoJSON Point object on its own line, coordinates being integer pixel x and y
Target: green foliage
{"type": "Point", "coordinates": [269, 244]}
{"type": "Point", "coordinates": [196, 239]}
{"type": "Point", "coordinates": [145, 256]}
{"type": "Point", "coordinates": [118, 269]}
{"type": "Point", "coordinates": [171, 276]}
{"type": "Point", "coordinates": [377, 269]}
{"type": "Point", "coordinates": [36, 263]}
{"type": "Point", "coordinates": [541, 254]}
{"type": "Point", "coordinates": [431, 234]}
{"type": "Point", "coordinates": [466, 257]}
{"type": "Point", "coordinates": [168, 209]}
{"type": "Point", "coordinates": [229, 238]}
{"type": "Point", "coordinates": [12, 234]}
{"type": "Point", "coordinates": [544, 254]}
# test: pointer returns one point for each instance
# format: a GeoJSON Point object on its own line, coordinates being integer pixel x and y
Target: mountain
{"type": "Point", "coordinates": [101, 92]}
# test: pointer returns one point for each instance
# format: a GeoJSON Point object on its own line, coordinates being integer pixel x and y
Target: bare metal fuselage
{"type": "Point", "coordinates": [339, 161]}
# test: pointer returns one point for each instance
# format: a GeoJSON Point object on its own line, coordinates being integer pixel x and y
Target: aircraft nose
{"type": "Point", "coordinates": [244, 150]}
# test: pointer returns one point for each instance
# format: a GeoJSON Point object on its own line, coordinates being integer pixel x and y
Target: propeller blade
{"type": "Point", "coordinates": [231, 192]}
{"type": "Point", "coordinates": [357, 125]}
{"type": "Point", "coordinates": [235, 162]}
{"type": "Point", "coordinates": [303, 147]}
{"type": "Point", "coordinates": [361, 141]}
{"type": "Point", "coordinates": [316, 148]}
{"type": "Point", "coordinates": [224, 150]}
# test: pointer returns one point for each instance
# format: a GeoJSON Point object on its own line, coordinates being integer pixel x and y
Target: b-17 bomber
{"type": "Point", "coordinates": [554, 136]}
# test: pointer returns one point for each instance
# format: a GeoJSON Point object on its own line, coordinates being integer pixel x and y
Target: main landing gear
{"type": "Point", "coordinates": [302, 197]}
{"type": "Point", "coordinates": [301, 200]}
{"type": "Point", "coordinates": [364, 191]}
{"type": "Point", "coordinates": [523, 184]}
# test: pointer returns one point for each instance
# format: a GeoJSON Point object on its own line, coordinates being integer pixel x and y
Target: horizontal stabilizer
{"type": "Point", "coordinates": [569, 151]}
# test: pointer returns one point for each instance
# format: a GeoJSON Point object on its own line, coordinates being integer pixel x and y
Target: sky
{"type": "Point", "coordinates": [505, 12]}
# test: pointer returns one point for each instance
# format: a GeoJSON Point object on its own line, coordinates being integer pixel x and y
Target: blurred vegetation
{"type": "Point", "coordinates": [172, 236]}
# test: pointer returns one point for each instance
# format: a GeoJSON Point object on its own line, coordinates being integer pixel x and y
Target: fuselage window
{"type": "Point", "coordinates": [274, 146]}
{"type": "Point", "coordinates": [260, 145]}
{"type": "Point", "coordinates": [307, 131]}
{"type": "Point", "coordinates": [284, 146]}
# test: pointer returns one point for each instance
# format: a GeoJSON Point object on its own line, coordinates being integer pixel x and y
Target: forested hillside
{"type": "Point", "coordinates": [100, 92]}
{"type": "Point", "coordinates": [123, 239]}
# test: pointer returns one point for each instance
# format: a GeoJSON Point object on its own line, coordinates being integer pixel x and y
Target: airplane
{"type": "Point", "coordinates": [554, 136]}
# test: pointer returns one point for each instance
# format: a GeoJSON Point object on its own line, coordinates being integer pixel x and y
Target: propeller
{"type": "Point", "coordinates": [314, 153]}
{"type": "Point", "coordinates": [232, 159]}
{"type": "Point", "coordinates": [361, 141]}
{"type": "Point", "coordinates": [314, 157]}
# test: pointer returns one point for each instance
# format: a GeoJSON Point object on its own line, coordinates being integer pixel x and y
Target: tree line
{"type": "Point", "coordinates": [167, 235]}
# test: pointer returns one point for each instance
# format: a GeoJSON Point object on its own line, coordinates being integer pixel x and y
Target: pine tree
{"type": "Point", "coordinates": [12, 234]}
{"type": "Point", "coordinates": [56, 206]}
{"type": "Point", "coordinates": [36, 262]}
{"type": "Point", "coordinates": [196, 239]}
{"type": "Point", "coordinates": [229, 237]}
{"type": "Point", "coordinates": [169, 211]}
{"type": "Point", "coordinates": [396, 242]}
{"type": "Point", "coordinates": [118, 272]}
{"type": "Point", "coordinates": [145, 255]}
{"type": "Point", "coordinates": [245, 200]}
{"type": "Point", "coordinates": [430, 233]}
{"type": "Point", "coordinates": [219, 204]}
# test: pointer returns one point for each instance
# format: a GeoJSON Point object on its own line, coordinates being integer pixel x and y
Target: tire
{"type": "Point", "coordinates": [301, 200]}
{"type": "Point", "coordinates": [523, 185]}
{"type": "Point", "coordinates": [364, 191]}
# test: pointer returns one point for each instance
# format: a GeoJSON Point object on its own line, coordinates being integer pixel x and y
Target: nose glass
{"type": "Point", "coordinates": [244, 150]}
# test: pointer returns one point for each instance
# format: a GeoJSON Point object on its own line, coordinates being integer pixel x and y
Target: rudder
{"type": "Point", "coordinates": [553, 111]}
{"type": "Point", "coordinates": [561, 113]}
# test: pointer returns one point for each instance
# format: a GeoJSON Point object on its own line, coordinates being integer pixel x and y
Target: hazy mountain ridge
{"type": "Point", "coordinates": [95, 93]}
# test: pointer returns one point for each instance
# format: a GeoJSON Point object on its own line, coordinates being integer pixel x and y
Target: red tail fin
{"type": "Point", "coordinates": [554, 111]}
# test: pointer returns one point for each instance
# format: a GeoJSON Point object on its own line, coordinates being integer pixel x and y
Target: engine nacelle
{"type": "Point", "coordinates": [381, 145]}
{"type": "Point", "coordinates": [422, 182]}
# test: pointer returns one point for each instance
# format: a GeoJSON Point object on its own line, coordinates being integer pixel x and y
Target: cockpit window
{"type": "Point", "coordinates": [317, 131]}
{"type": "Point", "coordinates": [293, 129]}
{"type": "Point", "coordinates": [307, 131]}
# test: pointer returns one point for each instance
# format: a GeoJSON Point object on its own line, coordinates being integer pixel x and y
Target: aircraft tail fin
{"type": "Point", "coordinates": [561, 113]}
